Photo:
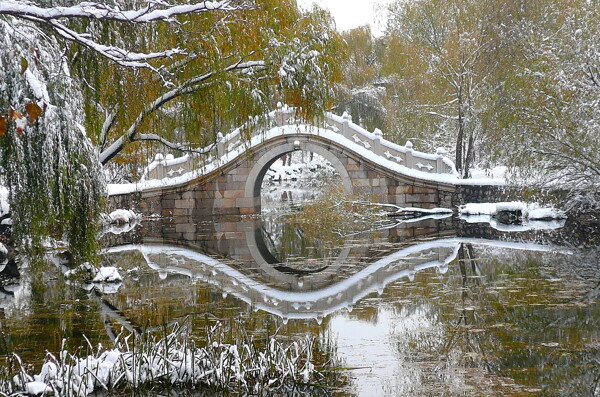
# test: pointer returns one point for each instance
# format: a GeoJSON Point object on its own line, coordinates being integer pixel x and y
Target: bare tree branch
{"type": "Point", "coordinates": [182, 147]}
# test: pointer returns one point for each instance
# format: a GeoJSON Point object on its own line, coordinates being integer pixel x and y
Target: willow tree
{"type": "Point", "coordinates": [174, 73]}
{"type": "Point", "coordinates": [46, 160]}
{"type": "Point", "coordinates": [239, 61]}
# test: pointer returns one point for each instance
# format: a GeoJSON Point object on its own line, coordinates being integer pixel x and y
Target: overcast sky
{"type": "Point", "coordinates": [349, 14]}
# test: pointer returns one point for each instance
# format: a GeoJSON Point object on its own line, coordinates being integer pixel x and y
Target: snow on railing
{"type": "Point", "coordinates": [406, 156]}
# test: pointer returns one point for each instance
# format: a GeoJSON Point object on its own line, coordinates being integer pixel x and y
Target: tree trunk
{"type": "Point", "coordinates": [461, 133]}
{"type": "Point", "coordinates": [468, 156]}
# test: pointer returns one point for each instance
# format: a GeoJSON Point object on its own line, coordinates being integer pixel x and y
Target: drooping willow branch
{"type": "Point", "coordinates": [189, 86]}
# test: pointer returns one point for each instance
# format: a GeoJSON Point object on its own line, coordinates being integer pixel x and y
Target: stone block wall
{"type": "Point", "coordinates": [484, 194]}
{"type": "Point", "coordinates": [234, 189]}
{"type": "Point", "coordinates": [495, 194]}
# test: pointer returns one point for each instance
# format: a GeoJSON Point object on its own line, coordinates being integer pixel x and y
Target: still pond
{"type": "Point", "coordinates": [425, 307]}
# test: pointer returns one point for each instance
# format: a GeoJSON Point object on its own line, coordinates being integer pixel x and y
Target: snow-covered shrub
{"type": "Point", "coordinates": [173, 360]}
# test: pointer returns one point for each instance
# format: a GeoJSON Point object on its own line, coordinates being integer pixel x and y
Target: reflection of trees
{"type": "Point", "coordinates": [296, 244]}
{"type": "Point", "coordinates": [43, 312]}
{"type": "Point", "coordinates": [464, 354]}
{"type": "Point", "coordinates": [556, 340]}
{"type": "Point", "coordinates": [467, 344]}
{"type": "Point", "coordinates": [530, 311]}
{"type": "Point", "coordinates": [444, 341]}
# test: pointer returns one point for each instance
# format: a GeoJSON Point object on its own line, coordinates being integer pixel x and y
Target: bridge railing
{"type": "Point", "coordinates": [404, 155]}
{"type": "Point", "coordinates": [235, 141]}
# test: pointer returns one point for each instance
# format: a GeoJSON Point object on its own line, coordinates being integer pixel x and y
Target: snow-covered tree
{"type": "Point", "coordinates": [202, 67]}
{"type": "Point", "coordinates": [508, 81]}
{"type": "Point", "coordinates": [452, 54]}
{"type": "Point", "coordinates": [125, 71]}
{"type": "Point", "coordinates": [46, 160]}
{"type": "Point", "coordinates": [551, 115]}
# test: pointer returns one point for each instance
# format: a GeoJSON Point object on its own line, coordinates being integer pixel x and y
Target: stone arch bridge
{"type": "Point", "coordinates": [228, 178]}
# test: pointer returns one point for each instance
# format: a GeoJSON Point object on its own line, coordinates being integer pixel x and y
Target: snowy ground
{"type": "Point", "coordinates": [492, 176]}
{"type": "Point", "coordinates": [301, 168]}
{"type": "Point", "coordinates": [296, 183]}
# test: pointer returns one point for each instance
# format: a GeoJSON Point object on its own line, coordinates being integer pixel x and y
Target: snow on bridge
{"type": "Point", "coordinates": [339, 129]}
{"type": "Point", "coordinates": [227, 178]}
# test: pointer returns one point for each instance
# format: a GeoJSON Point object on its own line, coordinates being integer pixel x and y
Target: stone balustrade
{"type": "Point", "coordinates": [373, 142]}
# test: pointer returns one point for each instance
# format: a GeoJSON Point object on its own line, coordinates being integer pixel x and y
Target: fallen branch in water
{"type": "Point", "coordinates": [409, 212]}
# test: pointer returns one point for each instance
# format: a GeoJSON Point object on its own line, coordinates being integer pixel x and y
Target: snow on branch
{"type": "Point", "coordinates": [119, 55]}
{"type": "Point", "coordinates": [152, 12]}
{"type": "Point", "coordinates": [444, 116]}
{"type": "Point", "coordinates": [182, 147]}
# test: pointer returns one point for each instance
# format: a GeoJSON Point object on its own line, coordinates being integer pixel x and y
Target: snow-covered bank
{"type": "Point", "coordinates": [120, 221]}
{"type": "Point", "coordinates": [523, 216]}
{"type": "Point", "coordinates": [532, 211]}
{"type": "Point", "coordinates": [173, 360]}
{"type": "Point", "coordinates": [524, 225]}
{"type": "Point", "coordinates": [121, 216]}
{"type": "Point", "coordinates": [107, 274]}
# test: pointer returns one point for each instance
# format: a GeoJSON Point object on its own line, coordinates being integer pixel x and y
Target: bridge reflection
{"type": "Point", "coordinates": [234, 257]}
{"type": "Point", "coordinates": [309, 302]}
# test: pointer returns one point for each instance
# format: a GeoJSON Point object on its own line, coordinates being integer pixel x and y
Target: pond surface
{"type": "Point", "coordinates": [429, 307]}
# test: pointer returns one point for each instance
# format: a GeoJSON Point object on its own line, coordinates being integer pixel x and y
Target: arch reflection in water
{"type": "Point", "coordinates": [242, 240]}
{"type": "Point", "coordinates": [296, 178]}
{"type": "Point", "coordinates": [310, 303]}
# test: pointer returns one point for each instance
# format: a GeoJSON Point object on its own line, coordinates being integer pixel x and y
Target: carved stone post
{"type": "Point", "coordinates": [345, 125]}
{"type": "Point", "coordinates": [377, 148]}
{"type": "Point", "coordinates": [220, 146]}
{"type": "Point", "coordinates": [410, 162]}
{"type": "Point", "coordinates": [440, 152]}
{"type": "Point", "coordinates": [160, 168]}
{"type": "Point", "coordinates": [279, 114]}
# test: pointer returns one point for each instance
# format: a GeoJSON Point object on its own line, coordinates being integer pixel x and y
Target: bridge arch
{"type": "Point", "coordinates": [264, 162]}
{"type": "Point", "coordinates": [227, 179]}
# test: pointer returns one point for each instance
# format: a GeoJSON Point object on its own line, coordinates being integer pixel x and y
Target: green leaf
{"type": "Point", "coordinates": [24, 65]}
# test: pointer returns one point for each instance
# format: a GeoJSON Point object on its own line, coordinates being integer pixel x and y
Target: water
{"type": "Point", "coordinates": [433, 307]}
